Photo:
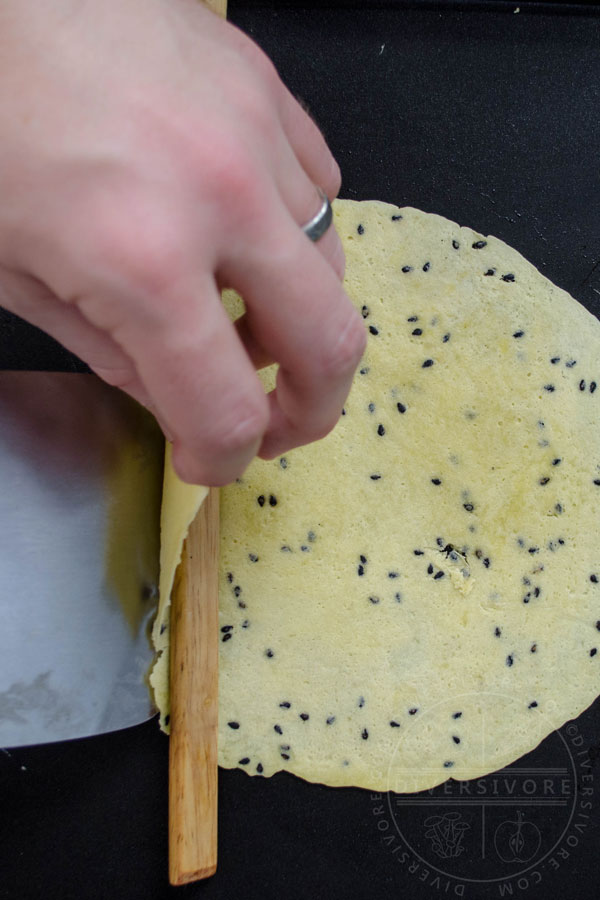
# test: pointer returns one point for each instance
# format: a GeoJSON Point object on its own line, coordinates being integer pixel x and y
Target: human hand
{"type": "Point", "coordinates": [150, 157]}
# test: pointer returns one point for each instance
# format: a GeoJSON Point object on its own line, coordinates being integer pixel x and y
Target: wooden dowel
{"type": "Point", "coordinates": [195, 702]}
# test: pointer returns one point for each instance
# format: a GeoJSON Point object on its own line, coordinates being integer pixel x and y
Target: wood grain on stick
{"type": "Point", "coordinates": [195, 702]}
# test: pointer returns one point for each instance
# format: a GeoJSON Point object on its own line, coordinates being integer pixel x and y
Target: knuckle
{"type": "Point", "coordinates": [239, 428]}
{"type": "Point", "coordinates": [345, 354]}
{"type": "Point", "coordinates": [147, 257]}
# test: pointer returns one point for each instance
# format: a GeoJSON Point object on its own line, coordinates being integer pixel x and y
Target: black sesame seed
{"type": "Point", "coordinates": [593, 651]}
{"type": "Point", "coordinates": [285, 548]}
{"type": "Point", "coordinates": [396, 218]}
{"type": "Point", "coordinates": [533, 550]}
{"type": "Point", "coordinates": [253, 557]}
{"type": "Point", "coordinates": [234, 725]}
{"type": "Point", "coordinates": [417, 332]}
{"type": "Point", "coordinates": [361, 570]}
{"type": "Point", "coordinates": [597, 481]}
{"type": "Point", "coordinates": [557, 461]}
{"type": "Point", "coordinates": [245, 623]}
{"type": "Point", "coordinates": [427, 267]}
{"type": "Point", "coordinates": [497, 631]}
{"type": "Point", "coordinates": [375, 477]}
{"type": "Point", "coordinates": [237, 590]}
{"type": "Point", "coordinates": [413, 710]}
{"type": "Point", "coordinates": [582, 385]}
{"type": "Point", "coordinates": [374, 600]}
{"type": "Point", "coordinates": [508, 277]}
{"type": "Point", "coordinates": [283, 462]}
{"type": "Point", "coordinates": [418, 552]}
{"type": "Point", "coordinates": [364, 734]}
{"type": "Point", "coordinates": [393, 574]}
{"type": "Point", "coordinates": [486, 562]}
{"type": "Point", "coordinates": [269, 653]}
{"type": "Point", "coordinates": [427, 364]}
{"type": "Point", "coordinates": [558, 508]}
{"type": "Point", "coordinates": [594, 579]}
{"type": "Point", "coordinates": [413, 319]}
{"type": "Point", "coordinates": [360, 229]}
{"type": "Point", "coordinates": [509, 660]}
{"type": "Point", "coordinates": [284, 755]}
{"type": "Point", "coordinates": [284, 746]}
{"type": "Point", "coordinates": [401, 408]}
{"type": "Point", "coordinates": [537, 591]}
{"type": "Point", "coordinates": [598, 625]}
{"type": "Point", "coordinates": [380, 430]}
{"type": "Point", "coordinates": [226, 637]}
{"type": "Point", "coordinates": [259, 768]}
{"type": "Point", "coordinates": [260, 500]}
{"type": "Point", "coordinates": [406, 269]}
{"type": "Point", "coordinates": [278, 729]}
{"type": "Point", "coordinates": [163, 628]}
{"type": "Point", "coordinates": [544, 480]}
{"type": "Point", "coordinates": [371, 407]}
{"type": "Point", "coordinates": [363, 559]}
{"type": "Point", "coordinates": [533, 704]}
{"type": "Point", "coordinates": [398, 597]}
{"type": "Point", "coordinates": [365, 311]}
{"type": "Point", "coordinates": [364, 370]}
{"type": "Point", "coordinates": [285, 704]}
{"type": "Point", "coordinates": [436, 481]}
{"type": "Point", "coordinates": [438, 575]}
{"type": "Point", "coordinates": [455, 244]}
{"type": "Point", "coordinates": [456, 715]}
{"type": "Point", "coordinates": [456, 739]}
{"type": "Point", "coordinates": [448, 764]}
{"type": "Point", "coordinates": [361, 702]}
{"type": "Point", "coordinates": [479, 245]}
{"type": "Point", "coordinates": [554, 360]}
{"type": "Point", "coordinates": [305, 548]}
{"type": "Point", "coordinates": [592, 386]}
{"type": "Point", "coordinates": [550, 388]}
{"type": "Point", "coordinates": [343, 411]}
{"type": "Point", "coordinates": [373, 330]}
{"type": "Point", "coordinates": [272, 500]}
{"type": "Point", "coordinates": [468, 506]}
{"type": "Point", "coordinates": [571, 363]}
{"type": "Point", "coordinates": [330, 720]}
{"type": "Point", "coordinates": [244, 761]}
{"type": "Point", "coordinates": [490, 272]}
{"type": "Point", "coordinates": [230, 577]}
{"type": "Point", "coordinates": [304, 716]}
{"type": "Point", "coordinates": [533, 648]}
{"type": "Point", "coordinates": [446, 338]}
{"type": "Point", "coordinates": [394, 724]}
{"type": "Point", "coordinates": [518, 334]}
{"type": "Point", "coordinates": [430, 569]}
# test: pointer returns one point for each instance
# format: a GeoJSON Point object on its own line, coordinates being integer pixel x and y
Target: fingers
{"type": "Point", "coordinates": [202, 383]}
{"type": "Point", "coordinates": [298, 314]}
{"type": "Point", "coordinates": [309, 146]}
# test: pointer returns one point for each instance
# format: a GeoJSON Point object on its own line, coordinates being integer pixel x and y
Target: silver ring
{"type": "Point", "coordinates": [319, 223]}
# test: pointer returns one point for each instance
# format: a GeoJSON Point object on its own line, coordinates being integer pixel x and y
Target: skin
{"type": "Point", "coordinates": [150, 157]}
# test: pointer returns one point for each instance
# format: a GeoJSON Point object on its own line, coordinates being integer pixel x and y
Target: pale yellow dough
{"type": "Point", "coordinates": [483, 464]}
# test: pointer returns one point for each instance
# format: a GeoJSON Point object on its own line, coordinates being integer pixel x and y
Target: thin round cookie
{"type": "Point", "coordinates": [417, 596]}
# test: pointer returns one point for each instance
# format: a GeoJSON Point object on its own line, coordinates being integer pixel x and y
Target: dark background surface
{"type": "Point", "coordinates": [491, 119]}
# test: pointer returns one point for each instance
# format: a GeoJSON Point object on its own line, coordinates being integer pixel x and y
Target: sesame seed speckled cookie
{"type": "Point", "coordinates": [417, 596]}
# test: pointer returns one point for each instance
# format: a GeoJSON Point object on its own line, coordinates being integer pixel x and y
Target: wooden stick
{"type": "Point", "coordinates": [195, 702]}
{"type": "Point", "coordinates": [194, 687]}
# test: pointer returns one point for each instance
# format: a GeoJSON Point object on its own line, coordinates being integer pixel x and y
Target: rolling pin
{"type": "Point", "coordinates": [194, 689]}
